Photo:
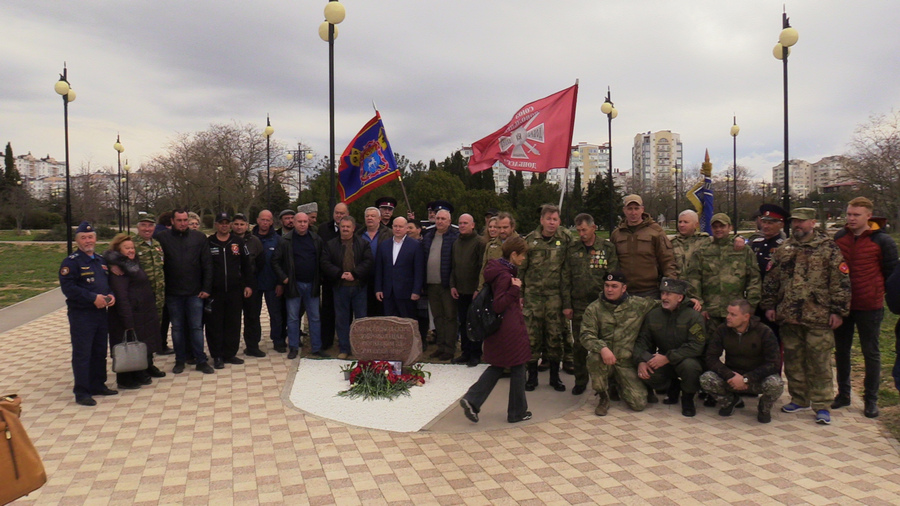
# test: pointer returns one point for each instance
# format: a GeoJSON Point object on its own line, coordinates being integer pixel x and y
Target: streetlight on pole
{"type": "Point", "coordinates": [268, 133]}
{"type": "Point", "coordinates": [611, 112]}
{"type": "Point", "coordinates": [786, 39]}
{"type": "Point", "coordinates": [119, 197]}
{"type": "Point", "coordinates": [735, 130]}
{"type": "Point", "coordinates": [62, 87]}
{"type": "Point", "coordinates": [300, 154]}
{"type": "Point", "coordinates": [334, 14]}
{"type": "Point", "coordinates": [127, 198]}
{"type": "Point", "coordinates": [219, 189]}
{"type": "Point", "coordinates": [675, 171]}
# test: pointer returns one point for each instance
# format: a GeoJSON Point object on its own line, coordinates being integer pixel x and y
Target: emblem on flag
{"type": "Point", "coordinates": [367, 162]}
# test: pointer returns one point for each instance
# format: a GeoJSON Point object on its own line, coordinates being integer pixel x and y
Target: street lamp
{"type": "Point", "coordinates": [127, 198]}
{"type": "Point", "coordinates": [334, 14]}
{"type": "Point", "coordinates": [219, 188]}
{"type": "Point", "coordinates": [63, 88]}
{"type": "Point", "coordinates": [786, 39]}
{"type": "Point", "coordinates": [611, 112]}
{"type": "Point", "coordinates": [119, 149]}
{"type": "Point", "coordinates": [300, 154]}
{"type": "Point", "coordinates": [735, 130]}
{"type": "Point", "coordinates": [675, 171]}
{"type": "Point", "coordinates": [268, 133]}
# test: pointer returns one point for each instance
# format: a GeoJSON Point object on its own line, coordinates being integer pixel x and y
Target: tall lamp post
{"type": "Point", "coordinates": [119, 196]}
{"type": "Point", "coordinates": [735, 130]}
{"type": "Point", "coordinates": [219, 189]}
{"type": "Point", "coordinates": [127, 169]}
{"type": "Point", "coordinates": [675, 172]}
{"type": "Point", "coordinates": [268, 133]}
{"type": "Point", "coordinates": [782, 50]}
{"type": "Point", "coordinates": [300, 154]}
{"type": "Point", "coordinates": [611, 112]}
{"type": "Point", "coordinates": [63, 88]}
{"type": "Point", "coordinates": [334, 14]}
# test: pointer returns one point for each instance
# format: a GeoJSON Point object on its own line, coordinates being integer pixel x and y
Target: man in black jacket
{"type": "Point", "coordinates": [189, 275]}
{"type": "Point", "coordinates": [252, 305]}
{"type": "Point", "coordinates": [296, 265]}
{"type": "Point", "coordinates": [328, 231]}
{"type": "Point", "coordinates": [346, 264]}
{"type": "Point", "coordinates": [232, 283]}
{"type": "Point", "coordinates": [752, 362]}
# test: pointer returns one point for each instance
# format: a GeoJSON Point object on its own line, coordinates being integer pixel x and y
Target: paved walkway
{"type": "Point", "coordinates": [230, 438]}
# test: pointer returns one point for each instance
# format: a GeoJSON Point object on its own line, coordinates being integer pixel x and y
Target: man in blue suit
{"type": "Point", "coordinates": [399, 272]}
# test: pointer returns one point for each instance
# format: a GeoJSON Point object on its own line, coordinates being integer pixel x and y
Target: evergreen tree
{"type": "Point", "coordinates": [10, 176]}
{"type": "Point", "coordinates": [534, 179]}
{"type": "Point", "coordinates": [596, 201]}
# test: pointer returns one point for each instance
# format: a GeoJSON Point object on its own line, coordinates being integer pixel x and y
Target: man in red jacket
{"type": "Point", "coordinates": [871, 255]}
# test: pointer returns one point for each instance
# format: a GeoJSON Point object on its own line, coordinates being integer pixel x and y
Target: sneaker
{"type": "Point", "coordinates": [526, 416]}
{"type": "Point", "coordinates": [823, 417]}
{"type": "Point", "coordinates": [469, 410]}
{"type": "Point", "coordinates": [179, 368]}
{"type": "Point", "coordinates": [205, 368]}
{"type": "Point", "coordinates": [727, 408]}
{"type": "Point", "coordinates": [794, 407]}
{"type": "Point", "coordinates": [254, 352]}
{"type": "Point", "coordinates": [840, 401]}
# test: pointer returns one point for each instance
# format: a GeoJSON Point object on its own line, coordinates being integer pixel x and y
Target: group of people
{"type": "Point", "coordinates": [630, 316]}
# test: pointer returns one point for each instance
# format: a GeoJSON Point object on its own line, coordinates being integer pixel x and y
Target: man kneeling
{"type": "Point", "coordinates": [752, 362]}
{"type": "Point", "coordinates": [609, 329]}
{"type": "Point", "coordinates": [670, 345]}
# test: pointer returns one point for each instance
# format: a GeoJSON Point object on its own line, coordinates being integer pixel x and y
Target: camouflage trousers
{"type": "Point", "coordinates": [769, 389]}
{"type": "Point", "coordinates": [688, 371]}
{"type": "Point", "coordinates": [544, 321]}
{"type": "Point", "coordinates": [568, 342]}
{"type": "Point", "coordinates": [807, 365]}
{"type": "Point", "coordinates": [631, 388]}
{"type": "Point", "coordinates": [579, 353]}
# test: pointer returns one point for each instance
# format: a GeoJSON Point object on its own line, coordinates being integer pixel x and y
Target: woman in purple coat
{"type": "Point", "coordinates": [509, 347]}
{"type": "Point", "coordinates": [135, 309]}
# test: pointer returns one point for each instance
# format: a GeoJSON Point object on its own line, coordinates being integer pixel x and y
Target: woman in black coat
{"type": "Point", "coordinates": [508, 347]}
{"type": "Point", "coordinates": [135, 309]}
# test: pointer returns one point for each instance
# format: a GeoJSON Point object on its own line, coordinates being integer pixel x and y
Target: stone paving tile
{"type": "Point", "coordinates": [229, 438]}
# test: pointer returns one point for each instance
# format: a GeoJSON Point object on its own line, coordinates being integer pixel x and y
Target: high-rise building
{"type": "Point", "coordinates": [800, 178]}
{"type": "Point", "coordinates": [829, 171]}
{"type": "Point", "coordinates": [655, 154]}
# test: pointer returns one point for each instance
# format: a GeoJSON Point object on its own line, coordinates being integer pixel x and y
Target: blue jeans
{"type": "Point", "coordinates": [186, 313]}
{"type": "Point", "coordinates": [347, 299]}
{"type": "Point", "coordinates": [276, 315]}
{"type": "Point", "coordinates": [311, 305]}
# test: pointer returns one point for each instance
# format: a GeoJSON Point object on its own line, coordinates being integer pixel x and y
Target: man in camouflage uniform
{"type": "Point", "coordinates": [669, 347]}
{"type": "Point", "coordinates": [547, 294]}
{"type": "Point", "coordinates": [807, 291]}
{"type": "Point", "coordinates": [719, 274]}
{"type": "Point", "coordinates": [150, 256]}
{"type": "Point", "coordinates": [609, 329]}
{"type": "Point", "coordinates": [688, 240]}
{"type": "Point", "coordinates": [589, 262]}
{"type": "Point", "coordinates": [752, 362]}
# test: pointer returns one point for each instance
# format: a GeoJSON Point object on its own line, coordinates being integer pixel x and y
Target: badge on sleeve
{"type": "Point", "coordinates": [844, 268]}
{"type": "Point", "coordinates": [64, 271]}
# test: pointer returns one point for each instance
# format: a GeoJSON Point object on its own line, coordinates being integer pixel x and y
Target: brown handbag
{"type": "Point", "coordinates": [21, 469]}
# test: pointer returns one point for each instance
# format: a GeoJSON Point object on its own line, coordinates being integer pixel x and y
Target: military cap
{"type": "Point", "coordinates": [309, 207]}
{"type": "Point", "coordinates": [239, 216]}
{"type": "Point", "coordinates": [147, 217]}
{"type": "Point", "coordinates": [772, 212]}
{"type": "Point", "coordinates": [803, 213]}
{"type": "Point", "coordinates": [286, 212]}
{"type": "Point", "coordinates": [720, 218]}
{"type": "Point", "coordinates": [223, 216]}
{"type": "Point", "coordinates": [673, 285]}
{"type": "Point", "coordinates": [390, 202]}
{"type": "Point", "coordinates": [616, 276]}
{"type": "Point", "coordinates": [438, 205]}
{"type": "Point", "coordinates": [84, 228]}
{"type": "Point", "coordinates": [633, 198]}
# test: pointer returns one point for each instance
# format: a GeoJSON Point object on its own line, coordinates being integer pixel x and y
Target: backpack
{"type": "Point", "coordinates": [481, 320]}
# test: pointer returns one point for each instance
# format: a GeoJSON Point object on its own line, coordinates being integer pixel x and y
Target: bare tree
{"type": "Point", "coordinates": [874, 161]}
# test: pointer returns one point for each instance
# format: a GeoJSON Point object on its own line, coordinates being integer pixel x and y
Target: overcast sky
{"type": "Point", "coordinates": [445, 73]}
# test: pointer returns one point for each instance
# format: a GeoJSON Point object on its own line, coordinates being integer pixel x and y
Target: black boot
{"type": "Point", "coordinates": [555, 382]}
{"type": "Point", "coordinates": [532, 381]}
{"type": "Point", "coordinates": [687, 405]}
{"type": "Point", "coordinates": [672, 394]}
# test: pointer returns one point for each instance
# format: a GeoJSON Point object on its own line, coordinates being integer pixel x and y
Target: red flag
{"type": "Point", "coordinates": [537, 139]}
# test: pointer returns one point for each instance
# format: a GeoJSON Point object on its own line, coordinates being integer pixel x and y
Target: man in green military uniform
{"type": "Point", "coordinates": [589, 262]}
{"type": "Point", "coordinates": [719, 274]}
{"type": "Point", "coordinates": [688, 240]}
{"type": "Point", "coordinates": [669, 347]}
{"type": "Point", "coordinates": [807, 291]}
{"type": "Point", "coordinates": [547, 294]}
{"type": "Point", "coordinates": [150, 256]}
{"type": "Point", "coordinates": [609, 329]}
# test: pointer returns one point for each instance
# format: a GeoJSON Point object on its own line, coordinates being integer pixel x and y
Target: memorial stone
{"type": "Point", "coordinates": [386, 338]}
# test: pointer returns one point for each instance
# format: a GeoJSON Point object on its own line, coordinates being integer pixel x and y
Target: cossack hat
{"type": "Point", "coordinates": [389, 202]}
{"type": "Point", "coordinates": [771, 212]}
{"type": "Point", "coordinates": [310, 207]}
{"type": "Point", "coordinates": [673, 285]}
{"type": "Point", "coordinates": [616, 276]}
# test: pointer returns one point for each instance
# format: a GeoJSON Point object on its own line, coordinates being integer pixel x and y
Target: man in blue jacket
{"type": "Point", "coordinates": [437, 244]}
{"type": "Point", "coordinates": [266, 283]}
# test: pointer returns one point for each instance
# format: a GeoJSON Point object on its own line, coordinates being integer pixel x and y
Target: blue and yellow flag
{"type": "Point", "coordinates": [701, 196]}
{"type": "Point", "coordinates": [367, 163]}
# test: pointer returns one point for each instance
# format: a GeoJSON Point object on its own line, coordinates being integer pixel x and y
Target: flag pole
{"type": "Point", "coordinates": [399, 173]}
